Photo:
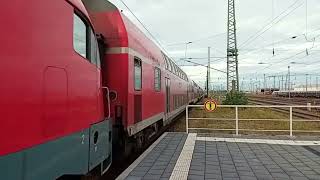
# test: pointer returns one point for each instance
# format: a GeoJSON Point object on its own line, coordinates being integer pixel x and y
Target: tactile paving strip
{"type": "Point", "coordinates": [182, 166]}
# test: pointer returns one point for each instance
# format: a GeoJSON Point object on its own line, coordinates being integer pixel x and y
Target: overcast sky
{"type": "Point", "coordinates": [204, 22]}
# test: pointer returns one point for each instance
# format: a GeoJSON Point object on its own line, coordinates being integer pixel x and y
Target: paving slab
{"type": "Point", "coordinates": [179, 156]}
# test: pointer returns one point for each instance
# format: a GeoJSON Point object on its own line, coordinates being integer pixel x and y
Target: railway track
{"type": "Point", "coordinates": [297, 113]}
{"type": "Point", "coordinates": [294, 100]}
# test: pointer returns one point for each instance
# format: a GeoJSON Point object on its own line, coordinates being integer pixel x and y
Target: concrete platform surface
{"type": "Point", "coordinates": [187, 156]}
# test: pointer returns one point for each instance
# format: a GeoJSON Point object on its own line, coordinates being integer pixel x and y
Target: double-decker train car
{"type": "Point", "coordinates": [150, 88]}
{"type": "Point", "coordinates": [67, 93]}
{"type": "Point", "coordinates": [52, 105]}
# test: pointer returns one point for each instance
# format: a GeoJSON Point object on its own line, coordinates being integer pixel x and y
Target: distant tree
{"type": "Point", "coordinates": [235, 98]}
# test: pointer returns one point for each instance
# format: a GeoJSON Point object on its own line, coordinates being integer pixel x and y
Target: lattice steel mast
{"type": "Point", "coordinates": [232, 51]}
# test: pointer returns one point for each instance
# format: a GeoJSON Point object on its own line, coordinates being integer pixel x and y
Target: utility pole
{"type": "Point", "coordinates": [306, 82]}
{"type": "Point", "coordinates": [264, 83]}
{"type": "Point", "coordinates": [282, 82]}
{"type": "Point", "coordinates": [259, 85]}
{"type": "Point", "coordinates": [207, 83]}
{"type": "Point", "coordinates": [310, 81]}
{"type": "Point", "coordinates": [208, 90]}
{"type": "Point", "coordinates": [289, 89]}
{"type": "Point", "coordinates": [317, 86]}
{"type": "Point", "coordinates": [274, 81]}
{"type": "Point", "coordinates": [232, 51]}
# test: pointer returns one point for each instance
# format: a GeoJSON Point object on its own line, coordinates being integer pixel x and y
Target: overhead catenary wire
{"type": "Point", "coordinates": [278, 42]}
{"type": "Point", "coordinates": [306, 19]}
{"type": "Point", "coordinates": [278, 18]}
{"type": "Point", "coordinates": [270, 27]}
{"type": "Point", "coordinates": [206, 66]}
{"type": "Point", "coordinates": [144, 26]}
{"type": "Point", "coordinates": [197, 40]}
{"type": "Point", "coordinates": [273, 28]}
{"type": "Point", "coordinates": [287, 58]}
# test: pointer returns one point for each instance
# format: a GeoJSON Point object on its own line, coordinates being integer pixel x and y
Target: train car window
{"type": "Point", "coordinates": [157, 79]}
{"type": "Point", "coordinates": [137, 74]}
{"type": "Point", "coordinates": [169, 65]}
{"type": "Point", "coordinates": [80, 39]}
{"type": "Point", "coordinates": [172, 66]}
{"type": "Point", "coordinates": [175, 69]}
{"type": "Point", "coordinates": [166, 62]}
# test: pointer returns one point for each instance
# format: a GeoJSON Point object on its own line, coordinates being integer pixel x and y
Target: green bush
{"type": "Point", "coordinates": [235, 98]}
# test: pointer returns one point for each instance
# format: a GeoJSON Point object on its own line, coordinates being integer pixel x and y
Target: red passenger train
{"type": "Point", "coordinates": [67, 93]}
{"type": "Point", "coordinates": [151, 89]}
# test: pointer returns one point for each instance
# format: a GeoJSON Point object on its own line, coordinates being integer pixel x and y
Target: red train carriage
{"type": "Point", "coordinates": [151, 90]}
{"type": "Point", "coordinates": [52, 112]}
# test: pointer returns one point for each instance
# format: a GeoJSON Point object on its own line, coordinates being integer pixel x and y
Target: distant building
{"type": "Point", "coordinates": [308, 88]}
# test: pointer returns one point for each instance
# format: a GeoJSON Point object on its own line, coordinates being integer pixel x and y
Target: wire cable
{"type": "Point", "coordinates": [262, 30]}
{"type": "Point", "coordinates": [197, 40]}
{"type": "Point", "coordinates": [144, 26]}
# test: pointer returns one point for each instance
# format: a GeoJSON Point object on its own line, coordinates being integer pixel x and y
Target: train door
{"type": "Point", "coordinates": [167, 96]}
{"type": "Point", "coordinates": [138, 90]}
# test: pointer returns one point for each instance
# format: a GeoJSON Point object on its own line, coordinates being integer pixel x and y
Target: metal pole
{"type": "Point", "coordinates": [259, 85]}
{"type": "Point", "coordinates": [310, 81]}
{"type": "Point", "coordinates": [185, 53]}
{"type": "Point", "coordinates": [317, 86]}
{"type": "Point", "coordinates": [290, 121]}
{"type": "Point", "coordinates": [209, 54]}
{"type": "Point", "coordinates": [232, 51]}
{"type": "Point", "coordinates": [187, 121]}
{"type": "Point", "coordinates": [274, 82]}
{"type": "Point", "coordinates": [286, 83]}
{"type": "Point", "coordinates": [237, 121]}
{"type": "Point", "coordinates": [289, 88]}
{"type": "Point", "coordinates": [282, 82]}
{"type": "Point", "coordinates": [264, 83]}
{"type": "Point", "coordinates": [306, 82]}
{"type": "Point", "coordinates": [207, 88]}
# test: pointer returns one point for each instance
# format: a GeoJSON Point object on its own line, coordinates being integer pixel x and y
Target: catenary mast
{"type": "Point", "coordinates": [232, 51]}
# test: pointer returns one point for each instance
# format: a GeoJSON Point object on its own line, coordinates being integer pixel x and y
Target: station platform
{"type": "Point", "coordinates": [179, 156]}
